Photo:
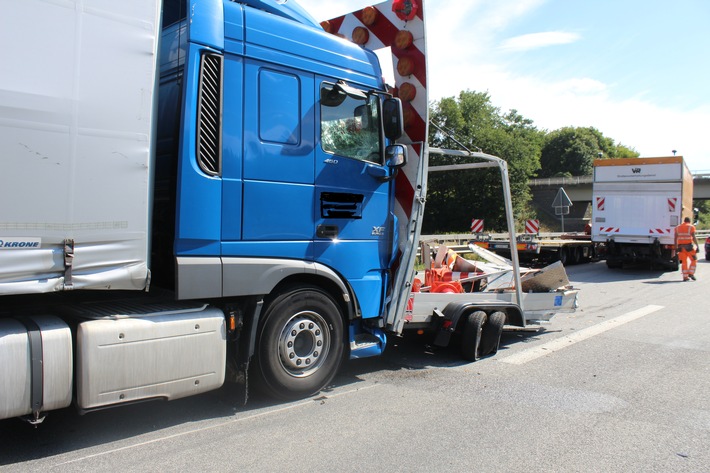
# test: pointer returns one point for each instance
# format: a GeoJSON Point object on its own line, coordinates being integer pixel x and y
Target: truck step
{"type": "Point", "coordinates": [365, 345]}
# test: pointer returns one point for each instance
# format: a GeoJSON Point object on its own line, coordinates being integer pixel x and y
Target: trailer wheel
{"type": "Point", "coordinates": [613, 264]}
{"type": "Point", "coordinates": [562, 255]}
{"type": "Point", "coordinates": [300, 344]}
{"type": "Point", "coordinates": [471, 336]}
{"type": "Point", "coordinates": [490, 337]}
{"type": "Point", "coordinates": [576, 255]}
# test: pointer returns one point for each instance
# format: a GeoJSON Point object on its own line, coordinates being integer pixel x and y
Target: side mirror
{"type": "Point", "coordinates": [392, 118]}
{"type": "Point", "coordinates": [396, 156]}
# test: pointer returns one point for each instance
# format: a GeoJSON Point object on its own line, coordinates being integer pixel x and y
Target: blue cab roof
{"type": "Point", "coordinates": [285, 8]}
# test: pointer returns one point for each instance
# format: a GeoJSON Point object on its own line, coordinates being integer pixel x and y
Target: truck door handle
{"type": "Point", "coordinates": [327, 231]}
{"type": "Point", "coordinates": [379, 173]}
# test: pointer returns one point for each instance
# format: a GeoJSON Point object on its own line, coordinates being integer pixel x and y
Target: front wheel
{"type": "Point", "coordinates": [300, 343]}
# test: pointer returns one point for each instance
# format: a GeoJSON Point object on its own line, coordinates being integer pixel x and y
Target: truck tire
{"type": "Point", "coordinates": [490, 337]}
{"type": "Point", "coordinates": [471, 335]}
{"type": "Point", "coordinates": [576, 254]}
{"type": "Point", "coordinates": [300, 344]}
{"type": "Point", "coordinates": [613, 264]}
{"type": "Point", "coordinates": [562, 255]}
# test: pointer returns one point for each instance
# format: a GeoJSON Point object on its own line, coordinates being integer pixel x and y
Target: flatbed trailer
{"type": "Point", "coordinates": [569, 248]}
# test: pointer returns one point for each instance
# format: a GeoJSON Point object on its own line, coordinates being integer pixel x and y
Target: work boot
{"type": "Point", "coordinates": [692, 276]}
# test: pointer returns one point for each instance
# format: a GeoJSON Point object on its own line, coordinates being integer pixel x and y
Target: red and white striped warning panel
{"type": "Point", "coordinates": [609, 230]}
{"type": "Point", "coordinates": [672, 202]}
{"type": "Point", "coordinates": [399, 25]}
{"type": "Point", "coordinates": [476, 225]}
{"type": "Point", "coordinates": [660, 231]}
{"type": "Point", "coordinates": [600, 203]}
{"type": "Point", "coordinates": [532, 226]}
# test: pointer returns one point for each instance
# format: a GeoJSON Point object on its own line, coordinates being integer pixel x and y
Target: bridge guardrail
{"type": "Point", "coordinates": [462, 239]}
{"type": "Point", "coordinates": [576, 180]}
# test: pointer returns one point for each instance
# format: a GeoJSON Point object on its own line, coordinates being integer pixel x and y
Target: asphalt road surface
{"type": "Point", "coordinates": [622, 385]}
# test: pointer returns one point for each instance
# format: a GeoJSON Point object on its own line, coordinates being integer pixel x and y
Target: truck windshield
{"type": "Point", "coordinates": [350, 126]}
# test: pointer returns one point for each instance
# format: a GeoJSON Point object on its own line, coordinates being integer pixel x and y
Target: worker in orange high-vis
{"type": "Point", "coordinates": [686, 244]}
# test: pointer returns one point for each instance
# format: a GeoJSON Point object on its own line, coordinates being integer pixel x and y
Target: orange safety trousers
{"type": "Point", "coordinates": [688, 260]}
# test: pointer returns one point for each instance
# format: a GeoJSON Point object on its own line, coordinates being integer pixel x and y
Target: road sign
{"type": "Point", "coordinates": [476, 225]}
{"type": "Point", "coordinates": [562, 203]}
{"type": "Point", "coordinates": [532, 226]}
{"type": "Point", "coordinates": [562, 199]}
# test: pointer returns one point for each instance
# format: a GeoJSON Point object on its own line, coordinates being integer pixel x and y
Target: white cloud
{"type": "Point", "coordinates": [464, 54]}
{"type": "Point", "coordinates": [650, 129]}
{"type": "Point", "coordinates": [527, 42]}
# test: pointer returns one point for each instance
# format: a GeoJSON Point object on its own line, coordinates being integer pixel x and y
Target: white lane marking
{"type": "Point", "coordinates": [563, 342]}
{"type": "Point", "coordinates": [268, 412]}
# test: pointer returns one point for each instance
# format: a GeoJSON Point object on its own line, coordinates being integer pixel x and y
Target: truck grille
{"type": "Point", "coordinates": [209, 115]}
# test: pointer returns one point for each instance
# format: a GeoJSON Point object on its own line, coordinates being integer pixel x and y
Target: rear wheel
{"type": "Point", "coordinates": [562, 255]}
{"type": "Point", "coordinates": [471, 335]}
{"type": "Point", "coordinates": [613, 264]}
{"type": "Point", "coordinates": [300, 343]}
{"type": "Point", "coordinates": [490, 337]}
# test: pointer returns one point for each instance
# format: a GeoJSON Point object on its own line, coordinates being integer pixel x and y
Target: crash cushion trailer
{"type": "Point", "coordinates": [636, 205]}
{"type": "Point", "coordinates": [471, 302]}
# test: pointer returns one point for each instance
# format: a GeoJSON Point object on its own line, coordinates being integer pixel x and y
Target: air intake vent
{"type": "Point", "coordinates": [209, 115]}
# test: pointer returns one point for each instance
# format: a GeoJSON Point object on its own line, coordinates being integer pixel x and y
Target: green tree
{"type": "Point", "coordinates": [625, 152]}
{"type": "Point", "coordinates": [571, 151]}
{"type": "Point", "coordinates": [703, 207]}
{"type": "Point", "coordinates": [455, 197]}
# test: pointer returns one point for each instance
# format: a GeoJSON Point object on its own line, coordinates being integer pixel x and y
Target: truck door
{"type": "Point", "coordinates": [353, 202]}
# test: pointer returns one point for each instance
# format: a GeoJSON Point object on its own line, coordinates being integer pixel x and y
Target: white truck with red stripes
{"type": "Point", "coordinates": [636, 204]}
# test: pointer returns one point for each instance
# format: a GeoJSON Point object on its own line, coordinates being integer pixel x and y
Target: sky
{"type": "Point", "coordinates": [636, 70]}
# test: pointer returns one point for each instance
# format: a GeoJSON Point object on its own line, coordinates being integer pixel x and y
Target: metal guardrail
{"type": "Point", "coordinates": [459, 242]}
{"type": "Point", "coordinates": [464, 238]}
{"type": "Point", "coordinates": [560, 181]}
{"type": "Point", "coordinates": [457, 237]}
{"type": "Point", "coordinates": [576, 180]}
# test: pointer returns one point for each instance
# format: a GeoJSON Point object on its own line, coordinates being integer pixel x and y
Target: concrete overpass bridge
{"type": "Point", "coordinates": [579, 190]}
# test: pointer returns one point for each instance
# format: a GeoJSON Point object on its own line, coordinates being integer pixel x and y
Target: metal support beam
{"type": "Point", "coordinates": [491, 161]}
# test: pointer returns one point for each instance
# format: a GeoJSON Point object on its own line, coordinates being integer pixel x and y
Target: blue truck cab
{"type": "Point", "coordinates": [276, 153]}
{"type": "Point", "coordinates": [204, 191]}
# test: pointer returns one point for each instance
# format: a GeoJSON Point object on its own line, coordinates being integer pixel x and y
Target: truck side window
{"type": "Point", "coordinates": [279, 107]}
{"type": "Point", "coordinates": [173, 11]}
{"type": "Point", "coordinates": [350, 127]}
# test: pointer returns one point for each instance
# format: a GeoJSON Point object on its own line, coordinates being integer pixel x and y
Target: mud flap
{"type": "Point", "coordinates": [452, 313]}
